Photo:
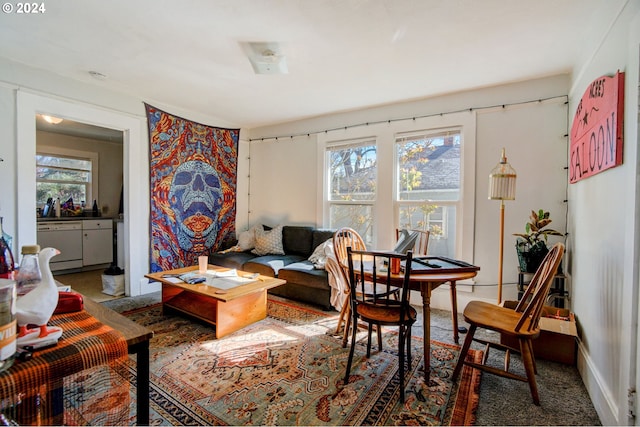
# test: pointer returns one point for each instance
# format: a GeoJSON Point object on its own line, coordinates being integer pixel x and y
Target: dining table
{"type": "Point", "coordinates": [427, 274]}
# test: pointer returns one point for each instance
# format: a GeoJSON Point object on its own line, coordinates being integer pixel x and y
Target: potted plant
{"type": "Point", "coordinates": [531, 245]}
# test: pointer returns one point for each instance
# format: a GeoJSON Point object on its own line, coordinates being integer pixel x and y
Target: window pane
{"type": "Point", "coordinates": [62, 177]}
{"type": "Point", "coordinates": [439, 220]}
{"type": "Point", "coordinates": [353, 172]}
{"type": "Point", "coordinates": [54, 174]}
{"type": "Point", "coordinates": [358, 217]}
{"type": "Point", "coordinates": [63, 162]}
{"type": "Point", "coordinates": [44, 190]}
{"type": "Point", "coordinates": [429, 167]}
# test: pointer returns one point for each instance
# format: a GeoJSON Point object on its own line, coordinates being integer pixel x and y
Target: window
{"type": "Point", "coordinates": [428, 185]}
{"type": "Point", "coordinates": [65, 176]}
{"type": "Point", "coordinates": [352, 180]}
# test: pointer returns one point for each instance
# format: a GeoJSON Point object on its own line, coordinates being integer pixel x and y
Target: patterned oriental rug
{"type": "Point", "coordinates": [288, 370]}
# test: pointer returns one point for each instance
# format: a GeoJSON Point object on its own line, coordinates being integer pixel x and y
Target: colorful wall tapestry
{"type": "Point", "coordinates": [193, 171]}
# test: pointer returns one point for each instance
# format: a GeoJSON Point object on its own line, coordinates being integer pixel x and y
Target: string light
{"type": "Point", "coordinates": [413, 118]}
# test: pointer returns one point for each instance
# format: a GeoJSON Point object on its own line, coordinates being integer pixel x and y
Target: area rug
{"type": "Point", "coordinates": [288, 370]}
{"type": "Point", "coordinates": [193, 170]}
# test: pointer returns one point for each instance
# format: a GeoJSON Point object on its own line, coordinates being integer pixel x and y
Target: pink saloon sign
{"type": "Point", "coordinates": [596, 134]}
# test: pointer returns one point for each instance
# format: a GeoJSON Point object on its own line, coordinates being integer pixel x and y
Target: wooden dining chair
{"type": "Point", "coordinates": [344, 238]}
{"type": "Point", "coordinates": [521, 324]}
{"type": "Point", "coordinates": [365, 274]}
{"type": "Point", "coordinates": [422, 242]}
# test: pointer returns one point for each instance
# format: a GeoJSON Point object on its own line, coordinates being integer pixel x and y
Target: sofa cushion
{"type": "Point", "coordinates": [230, 259]}
{"type": "Point", "coordinates": [297, 240]}
{"type": "Point", "coordinates": [269, 265]}
{"type": "Point", "coordinates": [269, 241]}
{"type": "Point", "coordinates": [304, 273]}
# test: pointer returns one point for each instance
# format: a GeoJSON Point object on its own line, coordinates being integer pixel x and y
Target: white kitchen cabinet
{"type": "Point", "coordinates": [66, 236]}
{"type": "Point", "coordinates": [97, 241]}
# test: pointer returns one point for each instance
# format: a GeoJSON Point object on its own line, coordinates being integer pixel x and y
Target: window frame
{"type": "Point", "coordinates": [93, 157]}
{"type": "Point", "coordinates": [385, 219]}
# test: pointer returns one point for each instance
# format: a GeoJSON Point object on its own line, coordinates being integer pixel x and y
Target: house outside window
{"type": "Point", "coordinates": [352, 182]}
{"type": "Point", "coordinates": [428, 165]}
{"type": "Point", "coordinates": [65, 174]}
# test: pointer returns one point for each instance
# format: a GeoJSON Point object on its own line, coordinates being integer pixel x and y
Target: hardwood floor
{"type": "Point", "coordinates": [88, 283]}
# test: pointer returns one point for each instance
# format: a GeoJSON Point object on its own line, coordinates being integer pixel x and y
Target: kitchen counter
{"type": "Point", "coordinates": [73, 218]}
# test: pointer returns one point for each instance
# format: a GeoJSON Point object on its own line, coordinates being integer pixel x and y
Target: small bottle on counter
{"type": "Point", "coordinates": [95, 208]}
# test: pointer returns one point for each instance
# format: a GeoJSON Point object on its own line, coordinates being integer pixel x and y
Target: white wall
{"type": "Point", "coordinates": [603, 227]}
{"type": "Point", "coordinates": [285, 180]}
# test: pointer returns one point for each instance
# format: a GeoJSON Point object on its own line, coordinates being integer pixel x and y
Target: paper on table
{"type": "Point", "coordinates": [229, 273]}
{"type": "Point", "coordinates": [227, 282]}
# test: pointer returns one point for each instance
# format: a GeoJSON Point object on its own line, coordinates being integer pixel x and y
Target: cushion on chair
{"type": "Point", "coordinates": [385, 314]}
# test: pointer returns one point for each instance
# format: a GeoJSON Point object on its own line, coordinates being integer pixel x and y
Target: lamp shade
{"type": "Point", "coordinates": [502, 181]}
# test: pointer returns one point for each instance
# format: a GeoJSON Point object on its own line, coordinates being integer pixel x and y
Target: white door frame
{"type": "Point", "coordinates": [135, 158]}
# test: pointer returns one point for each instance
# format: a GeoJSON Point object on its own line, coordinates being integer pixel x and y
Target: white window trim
{"type": "Point", "coordinates": [68, 152]}
{"type": "Point", "coordinates": [385, 208]}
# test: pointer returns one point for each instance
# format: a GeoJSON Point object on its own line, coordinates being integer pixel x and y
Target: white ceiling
{"type": "Point", "coordinates": [341, 54]}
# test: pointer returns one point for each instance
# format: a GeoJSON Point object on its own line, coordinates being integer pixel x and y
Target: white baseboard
{"type": "Point", "coordinates": [145, 287]}
{"type": "Point", "coordinates": [601, 397]}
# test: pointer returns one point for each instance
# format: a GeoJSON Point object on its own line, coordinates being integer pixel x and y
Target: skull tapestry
{"type": "Point", "coordinates": [193, 171]}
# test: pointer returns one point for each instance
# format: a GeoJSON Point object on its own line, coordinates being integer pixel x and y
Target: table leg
{"type": "Point", "coordinates": [142, 395]}
{"type": "Point", "coordinates": [454, 311]}
{"type": "Point", "coordinates": [426, 328]}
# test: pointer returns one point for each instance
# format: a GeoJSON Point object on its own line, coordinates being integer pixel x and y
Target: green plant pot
{"type": "Point", "coordinates": [530, 258]}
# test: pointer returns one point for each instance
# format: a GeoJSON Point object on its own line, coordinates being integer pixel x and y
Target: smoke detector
{"type": "Point", "coordinates": [266, 58]}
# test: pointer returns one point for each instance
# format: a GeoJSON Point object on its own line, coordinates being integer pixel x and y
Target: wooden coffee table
{"type": "Point", "coordinates": [228, 308]}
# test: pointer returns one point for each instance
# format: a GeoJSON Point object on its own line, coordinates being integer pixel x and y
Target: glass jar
{"type": "Point", "coordinates": [29, 274]}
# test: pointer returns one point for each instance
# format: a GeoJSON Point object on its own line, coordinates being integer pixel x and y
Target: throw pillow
{"type": "Point", "coordinates": [247, 239]}
{"type": "Point", "coordinates": [268, 242]}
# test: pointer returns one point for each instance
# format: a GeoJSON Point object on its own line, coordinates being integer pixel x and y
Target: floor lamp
{"type": "Point", "coordinates": [502, 186]}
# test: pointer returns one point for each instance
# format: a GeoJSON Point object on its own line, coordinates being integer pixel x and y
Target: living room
{"type": "Point", "coordinates": [530, 118]}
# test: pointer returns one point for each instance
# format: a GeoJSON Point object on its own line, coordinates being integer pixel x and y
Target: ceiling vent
{"type": "Point", "coordinates": [266, 58]}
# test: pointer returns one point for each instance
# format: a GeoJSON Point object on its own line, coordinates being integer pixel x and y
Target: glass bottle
{"type": "Point", "coordinates": [7, 263]}
{"type": "Point", "coordinates": [29, 275]}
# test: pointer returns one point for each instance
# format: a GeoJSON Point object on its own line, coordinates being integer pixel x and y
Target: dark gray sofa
{"type": "Point", "coordinates": [304, 282]}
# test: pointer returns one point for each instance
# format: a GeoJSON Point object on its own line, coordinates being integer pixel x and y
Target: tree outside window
{"type": "Point", "coordinates": [352, 186]}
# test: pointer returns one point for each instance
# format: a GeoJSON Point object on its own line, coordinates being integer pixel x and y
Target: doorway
{"type": "Point", "coordinates": [100, 150]}
{"type": "Point", "coordinates": [135, 168]}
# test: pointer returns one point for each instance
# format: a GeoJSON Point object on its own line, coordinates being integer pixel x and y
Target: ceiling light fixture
{"type": "Point", "coordinates": [51, 119]}
{"type": "Point", "coordinates": [266, 58]}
